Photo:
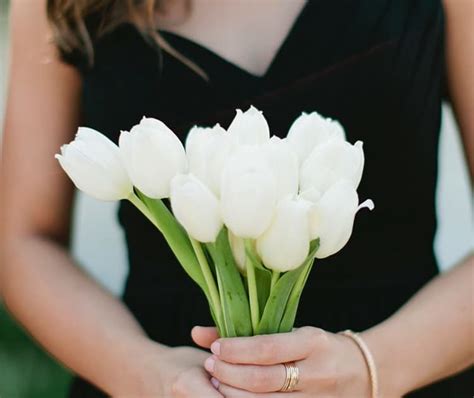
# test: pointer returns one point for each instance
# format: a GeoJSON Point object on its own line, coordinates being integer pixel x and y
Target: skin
{"type": "Point", "coordinates": [97, 337]}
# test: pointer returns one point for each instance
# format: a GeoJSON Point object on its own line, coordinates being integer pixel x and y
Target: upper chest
{"type": "Point", "coordinates": [245, 33]}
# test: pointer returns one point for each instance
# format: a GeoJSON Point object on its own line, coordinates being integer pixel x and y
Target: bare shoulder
{"type": "Point", "coordinates": [42, 113]}
{"type": "Point", "coordinates": [459, 9]}
{"type": "Point", "coordinates": [465, 4]}
{"type": "Point", "coordinates": [460, 63]}
{"type": "Point", "coordinates": [31, 39]}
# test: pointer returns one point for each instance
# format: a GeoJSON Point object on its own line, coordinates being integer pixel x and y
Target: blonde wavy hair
{"type": "Point", "coordinates": [71, 33]}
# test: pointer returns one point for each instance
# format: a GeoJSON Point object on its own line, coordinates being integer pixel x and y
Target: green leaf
{"type": "Point", "coordinates": [289, 316]}
{"type": "Point", "coordinates": [214, 318]}
{"type": "Point", "coordinates": [219, 263]}
{"type": "Point", "coordinates": [264, 278]}
{"type": "Point", "coordinates": [275, 307]}
{"type": "Point", "coordinates": [234, 300]}
{"type": "Point", "coordinates": [177, 239]}
{"type": "Point", "coordinates": [180, 243]}
{"type": "Point", "coordinates": [280, 311]}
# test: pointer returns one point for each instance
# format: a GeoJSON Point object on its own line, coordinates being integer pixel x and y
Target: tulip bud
{"type": "Point", "coordinates": [237, 246]}
{"type": "Point", "coordinates": [310, 130]}
{"type": "Point", "coordinates": [94, 164]}
{"type": "Point", "coordinates": [250, 127]}
{"type": "Point", "coordinates": [332, 217]}
{"type": "Point", "coordinates": [284, 164]}
{"type": "Point", "coordinates": [248, 193]}
{"type": "Point", "coordinates": [331, 162]}
{"type": "Point", "coordinates": [208, 150]}
{"type": "Point", "coordinates": [195, 207]}
{"type": "Point", "coordinates": [285, 244]}
{"type": "Point", "coordinates": [153, 155]}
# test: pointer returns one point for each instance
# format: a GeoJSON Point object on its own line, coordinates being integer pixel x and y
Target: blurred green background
{"type": "Point", "coordinates": [25, 370]}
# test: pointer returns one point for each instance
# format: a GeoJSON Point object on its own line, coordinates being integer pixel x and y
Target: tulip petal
{"type": "Point", "coordinates": [195, 207]}
{"type": "Point", "coordinates": [369, 204]}
{"type": "Point", "coordinates": [250, 127]}
{"type": "Point", "coordinates": [208, 150]}
{"type": "Point", "coordinates": [94, 165]}
{"type": "Point", "coordinates": [238, 250]}
{"type": "Point", "coordinates": [153, 155]}
{"type": "Point", "coordinates": [333, 218]}
{"type": "Point", "coordinates": [330, 162]}
{"type": "Point", "coordinates": [195, 147]}
{"type": "Point", "coordinates": [284, 163]}
{"type": "Point", "coordinates": [311, 130]}
{"type": "Point", "coordinates": [285, 244]}
{"type": "Point", "coordinates": [248, 193]}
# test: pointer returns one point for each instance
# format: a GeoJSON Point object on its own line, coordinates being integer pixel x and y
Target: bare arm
{"type": "Point", "coordinates": [429, 338]}
{"type": "Point", "coordinates": [460, 67]}
{"type": "Point", "coordinates": [80, 323]}
{"type": "Point", "coordinates": [434, 332]}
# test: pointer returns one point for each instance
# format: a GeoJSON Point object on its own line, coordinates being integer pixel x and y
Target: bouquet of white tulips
{"type": "Point", "coordinates": [250, 212]}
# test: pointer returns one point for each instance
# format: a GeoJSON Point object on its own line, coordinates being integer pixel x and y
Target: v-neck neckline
{"type": "Point", "coordinates": [281, 48]}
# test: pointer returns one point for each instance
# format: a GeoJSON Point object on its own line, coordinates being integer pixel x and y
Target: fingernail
{"type": "Point", "coordinates": [209, 364]}
{"type": "Point", "coordinates": [215, 383]}
{"type": "Point", "coordinates": [216, 348]}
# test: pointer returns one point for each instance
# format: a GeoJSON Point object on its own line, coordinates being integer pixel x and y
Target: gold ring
{"type": "Point", "coordinates": [292, 377]}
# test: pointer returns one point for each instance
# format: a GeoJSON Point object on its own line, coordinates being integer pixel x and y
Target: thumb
{"type": "Point", "coordinates": [204, 336]}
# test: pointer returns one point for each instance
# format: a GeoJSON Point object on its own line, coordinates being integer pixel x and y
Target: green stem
{"type": "Point", "coordinates": [252, 285]}
{"type": "Point", "coordinates": [209, 278]}
{"type": "Point", "coordinates": [136, 201]}
{"type": "Point", "coordinates": [301, 282]}
{"type": "Point", "coordinates": [289, 316]}
{"type": "Point", "coordinates": [275, 277]}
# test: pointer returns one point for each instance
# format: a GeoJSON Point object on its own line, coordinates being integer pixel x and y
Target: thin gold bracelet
{"type": "Point", "coordinates": [369, 359]}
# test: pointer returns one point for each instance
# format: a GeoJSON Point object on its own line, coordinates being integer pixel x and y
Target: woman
{"type": "Point", "coordinates": [378, 67]}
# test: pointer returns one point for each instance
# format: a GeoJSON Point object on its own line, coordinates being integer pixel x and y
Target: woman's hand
{"type": "Point", "coordinates": [329, 364]}
{"type": "Point", "coordinates": [181, 374]}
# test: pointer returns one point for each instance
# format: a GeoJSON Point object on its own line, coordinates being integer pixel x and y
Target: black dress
{"type": "Point", "coordinates": [377, 67]}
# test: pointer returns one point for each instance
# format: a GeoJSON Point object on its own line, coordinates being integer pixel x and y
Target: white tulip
{"type": "Point", "coordinates": [249, 127]}
{"type": "Point", "coordinates": [332, 217]}
{"type": "Point", "coordinates": [208, 150]}
{"type": "Point", "coordinates": [195, 207]}
{"type": "Point", "coordinates": [312, 195]}
{"type": "Point", "coordinates": [248, 193]}
{"type": "Point", "coordinates": [285, 244]}
{"type": "Point", "coordinates": [153, 155]}
{"type": "Point", "coordinates": [94, 164]}
{"type": "Point", "coordinates": [284, 164]}
{"type": "Point", "coordinates": [237, 246]}
{"type": "Point", "coordinates": [310, 130]}
{"type": "Point", "coordinates": [331, 162]}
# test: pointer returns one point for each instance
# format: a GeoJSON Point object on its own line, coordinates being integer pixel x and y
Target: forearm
{"type": "Point", "coordinates": [430, 337]}
{"type": "Point", "coordinates": [81, 324]}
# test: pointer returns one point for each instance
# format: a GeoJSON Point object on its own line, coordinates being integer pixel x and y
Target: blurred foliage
{"type": "Point", "coordinates": [3, 3]}
{"type": "Point", "coordinates": [26, 371]}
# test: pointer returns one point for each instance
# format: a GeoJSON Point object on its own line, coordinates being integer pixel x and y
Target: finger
{"type": "Point", "coordinates": [194, 383]}
{"type": "Point", "coordinates": [204, 336]}
{"type": "Point", "coordinates": [232, 392]}
{"type": "Point", "coordinates": [247, 377]}
{"type": "Point", "coordinates": [270, 349]}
